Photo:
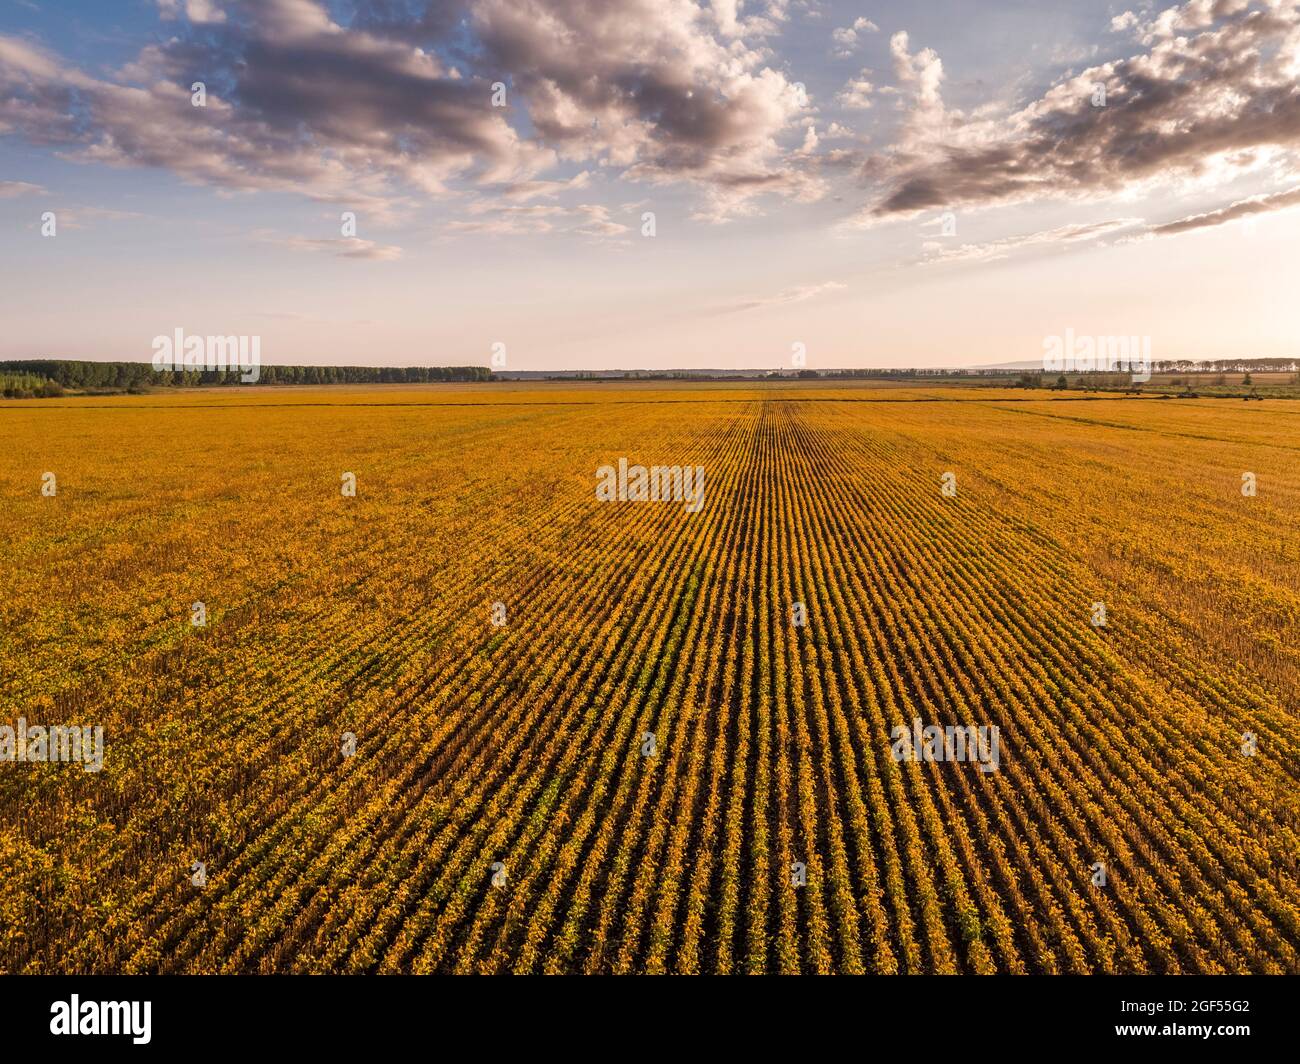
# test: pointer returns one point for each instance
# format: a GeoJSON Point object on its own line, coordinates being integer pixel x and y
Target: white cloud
{"type": "Point", "coordinates": [848, 38]}
{"type": "Point", "coordinates": [856, 94]}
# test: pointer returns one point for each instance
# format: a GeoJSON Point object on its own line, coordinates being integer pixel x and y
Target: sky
{"type": "Point", "coordinates": [649, 183]}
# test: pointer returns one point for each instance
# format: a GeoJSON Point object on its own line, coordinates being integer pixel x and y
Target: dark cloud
{"type": "Point", "coordinates": [648, 86]}
{"type": "Point", "coordinates": [397, 101]}
{"type": "Point", "coordinates": [1213, 96]}
{"type": "Point", "coordinates": [294, 102]}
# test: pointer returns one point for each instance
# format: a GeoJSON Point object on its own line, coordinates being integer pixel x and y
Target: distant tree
{"type": "Point", "coordinates": [136, 376]}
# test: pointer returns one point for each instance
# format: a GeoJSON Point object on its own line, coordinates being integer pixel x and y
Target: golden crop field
{"type": "Point", "coordinates": [473, 718]}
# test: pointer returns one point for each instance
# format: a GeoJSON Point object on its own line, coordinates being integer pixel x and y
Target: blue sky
{"type": "Point", "coordinates": [886, 184]}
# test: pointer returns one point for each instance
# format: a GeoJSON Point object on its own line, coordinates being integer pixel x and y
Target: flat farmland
{"type": "Point", "coordinates": [444, 708]}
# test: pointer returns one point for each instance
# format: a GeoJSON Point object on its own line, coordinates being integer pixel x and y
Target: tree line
{"type": "Point", "coordinates": [137, 376]}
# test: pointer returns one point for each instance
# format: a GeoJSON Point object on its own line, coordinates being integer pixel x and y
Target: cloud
{"type": "Point", "coordinates": [200, 12]}
{"type": "Point", "coordinates": [938, 253]}
{"type": "Point", "coordinates": [847, 39]}
{"type": "Point", "coordinates": [294, 103]}
{"type": "Point", "coordinates": [1120, 23]}
{"type": "Point", "coordinates": [856, 94]}
{"type": "Point", "coordinates": [339, 247]}
{"type": "Point", "coordinates": [1172, 21]}
{"type": "Point", "coordinates": [490, 218]}
{"type": "Point", "coordinates": [1127, 230]}
{"type": "Point", "coordinates": [730, 196]}
{"type": "Point", "coordinates": [922, 73]}
{"type": "Point", "coordinates": [1205, 108]}
{"type": "Point", "coordinates": [726, 13]}
{"type": "Point", "coordinates": [497, 220]}
{"type": "Point", "coordinates": [798, 294]}
{"type": "Point", "coordinates": [521, 191]}
{"type": "Point", "coordinates": [81, 216]}
{"type": "Point", "coordinates": [643, 87]}
{"type": "Point", "coordinates": [594, 221]}
{"type": "Point", "coordinates": [380, 105]}
{"type": "Point", "coordinates": [1244, 208]}
{"type": "Point", "coordinates": [13, 189]}
{"type": "Point", "coordinates": [396, 105]}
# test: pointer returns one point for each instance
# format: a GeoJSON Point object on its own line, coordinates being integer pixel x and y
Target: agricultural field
{"type": "Point", "coordinates": [473, 717]}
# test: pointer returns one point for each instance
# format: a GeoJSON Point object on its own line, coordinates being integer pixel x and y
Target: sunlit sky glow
{"type": "Point", "coordinates": [798, 157]}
